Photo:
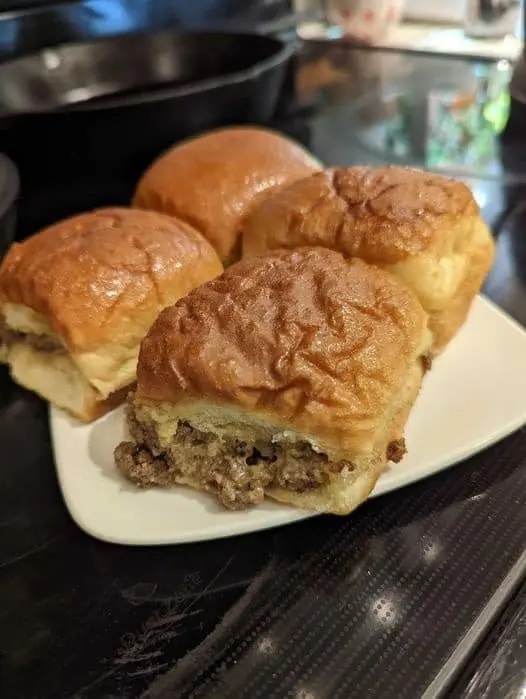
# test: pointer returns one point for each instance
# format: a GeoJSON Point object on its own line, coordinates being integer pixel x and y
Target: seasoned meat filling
{"type": "Point", "coordinates": [396, 450]}
{"type": "Point", "coordinates": [427, 362]}
{"type": "Point", "coordinates": [237, 473]}
{"type": "Point", "coordinates": [44, 343]}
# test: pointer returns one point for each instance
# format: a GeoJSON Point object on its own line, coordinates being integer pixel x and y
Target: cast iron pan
{"type": "Point", "coordinates": [105, 109]}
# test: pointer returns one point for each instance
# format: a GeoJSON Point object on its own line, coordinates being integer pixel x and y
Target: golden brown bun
{"type": "Point", "coordinates": [94, 284]}
{"type": "Point", "coordinates": [303, 345]}
{"type": "Point", "coordinates": [423, 227]}
{"type": "Point", "coordinates": [214, 180]}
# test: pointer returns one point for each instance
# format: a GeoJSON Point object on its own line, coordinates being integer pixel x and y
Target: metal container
{"type": "Point", "coordinates": [491, 19]}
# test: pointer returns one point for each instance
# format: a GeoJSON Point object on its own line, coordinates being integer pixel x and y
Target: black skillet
{"type": "Point", "coordinates": [106, 108]}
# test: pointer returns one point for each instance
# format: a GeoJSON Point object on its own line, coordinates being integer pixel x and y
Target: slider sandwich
{"type": "Point", "coordinates": [289, 376]}
{"type": "Point", "coordinates": [77, 298]}
{"type": "Point", "coordinates": [213, 181]}
{"type": "Point", "coordinates": [424, 228]}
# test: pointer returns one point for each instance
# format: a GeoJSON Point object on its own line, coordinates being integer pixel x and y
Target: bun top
{"type": "Point", "coordinates": [382, 215]}
{"type": "Point", "coordinates": [106, 271]}
{"type": "Point", "coordinates": [212, 181]}
{"type": "Point", "coordinates": [306, 338]}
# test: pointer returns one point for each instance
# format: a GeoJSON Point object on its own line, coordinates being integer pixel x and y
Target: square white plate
{"type": "Point", "coordinates": [474, 396]}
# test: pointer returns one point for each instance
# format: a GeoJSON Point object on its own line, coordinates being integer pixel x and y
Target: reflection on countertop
{"type": "Point", "coordinates": [501, 674]}
{"type": "Point", "coordinates": [443, 114]}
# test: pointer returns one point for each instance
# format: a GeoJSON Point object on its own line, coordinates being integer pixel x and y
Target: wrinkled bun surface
{"type": "Point", "coordinates": [214, 180]}
{"type": "Point", "coordinates": [305, 339]}
{"type": "Point", "coordinates": [423, 227]}
{"type": "Point", "coordinates": [93, 285]}
{"type": "Point", "coordinates": [289, 376]}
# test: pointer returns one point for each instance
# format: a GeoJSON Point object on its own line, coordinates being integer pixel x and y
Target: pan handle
{"type": "Point", "coordinates": [285, 28]}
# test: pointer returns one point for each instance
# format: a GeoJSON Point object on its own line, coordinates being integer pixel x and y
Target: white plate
{"type": "Point", "coordinates": [474, 396]}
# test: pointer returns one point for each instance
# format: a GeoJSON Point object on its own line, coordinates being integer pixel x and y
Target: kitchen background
{"type": "Point", "coordinates": [65, 592]}
{"type": "Point", "coordinates": [435, 25]}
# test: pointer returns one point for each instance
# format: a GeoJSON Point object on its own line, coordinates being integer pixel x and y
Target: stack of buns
{"type": "Point", "coordinates": [290, 375]}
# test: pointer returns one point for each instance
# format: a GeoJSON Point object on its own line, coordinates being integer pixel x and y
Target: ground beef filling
{"type": "Point", "coordinates": [427, 362]}
{"type": "Point", "coordinates": [237, 473]}
{"type": "Point", "coordinates": [396, 450]}
{"type": "Point", "coordinates": [43, 343]}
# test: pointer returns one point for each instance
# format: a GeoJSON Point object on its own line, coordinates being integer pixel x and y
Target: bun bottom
{"type": "Point", "coordinates": [55, 378]}
{"type": "Point", "coordinates": [344, 494]}
{"type": "Point", "coordinates": [241, 458]}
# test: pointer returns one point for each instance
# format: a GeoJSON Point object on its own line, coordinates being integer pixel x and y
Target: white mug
{"type": "Point", "coordinates": [365, 20]}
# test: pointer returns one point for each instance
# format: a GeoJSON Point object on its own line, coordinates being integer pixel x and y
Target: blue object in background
{"type": "Point", "coordinates": [31, 26]}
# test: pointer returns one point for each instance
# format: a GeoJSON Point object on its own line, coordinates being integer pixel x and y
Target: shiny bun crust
{"type": "Point", "coordinates": [304, 339]}
{"type": "Point", "coordinates": [106, 272]}
{"type": "Point", "coordinates": [383, 214]}
{"type": "Point", "coordinates": [77, 298]}
{"type": "Point", "coordinates": [214, 180]}
{"type": "Point", "coordinates": [423, 227]}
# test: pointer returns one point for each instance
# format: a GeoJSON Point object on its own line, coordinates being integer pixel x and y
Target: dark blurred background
{"type": "Point", "coordinates": [24, 28]}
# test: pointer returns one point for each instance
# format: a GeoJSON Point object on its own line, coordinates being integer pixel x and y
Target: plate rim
{"type": "Point", "coordinates": [290, 516]}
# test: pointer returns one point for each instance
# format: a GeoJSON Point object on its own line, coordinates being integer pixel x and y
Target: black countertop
{"type": "Point", "coordinates": [417, 594]}
{"type": "Point", "coordinates": [498, 671]}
